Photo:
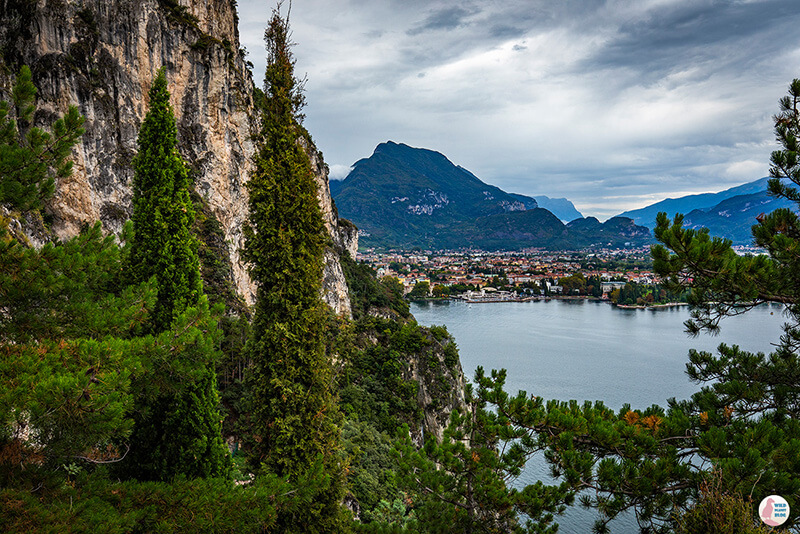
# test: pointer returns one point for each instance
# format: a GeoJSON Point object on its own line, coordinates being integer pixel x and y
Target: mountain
{"type": "Point", "coordinates": [411, 197]}
{"type": "Point", "coordinates": [542, 229]}
{"type": "Point", "coordinates": [560, 207]}
{"type": "Point", "coordinates": [615, 233]}
{"type": "Point", "coordinates": [733, 217]}
{"type": "Point", "coordinates": [335, 186]}
{"type": "Point", "coordinates": [405, 196]}
{"type": "Point", "coordinates": [647, 216]}
{"type": "Point", "coordinates": [729, 214]}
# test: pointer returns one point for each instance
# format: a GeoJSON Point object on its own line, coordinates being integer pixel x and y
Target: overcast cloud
{"type": "Point", "coordinates": [613, 104]}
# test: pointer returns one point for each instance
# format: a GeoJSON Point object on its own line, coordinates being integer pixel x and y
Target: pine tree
{"type": "Point", "coordinates": [752, 402]}
{"type": "Point", "coordinates": [176, 431]}
{"type": "Point", "coordinates": [294, 414]}
{"type": "Point", "coordinates": [31, 158]}
{"type": "Point", "coordinates": [65, 367]}
{"type": "Point", "coordinates": [465, 482]}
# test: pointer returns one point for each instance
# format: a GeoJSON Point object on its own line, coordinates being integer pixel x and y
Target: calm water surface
{"type": "Point", "coordinates": [575, 349]}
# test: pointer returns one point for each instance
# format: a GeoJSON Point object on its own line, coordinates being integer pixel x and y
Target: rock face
{"type": "Point", "coordinates": [102, 56]}
{"type": "Point", "coordinates": [441, 388]}
{"type": "Point", "coordinates": [344, 236]}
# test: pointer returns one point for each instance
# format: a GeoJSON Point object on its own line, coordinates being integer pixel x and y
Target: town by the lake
{"type": "Point", "coordinates": [499, 276]}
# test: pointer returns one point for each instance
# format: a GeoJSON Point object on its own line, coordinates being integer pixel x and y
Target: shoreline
{"type": "Point", "coordinates": [651, 306]}
{"type": "Point", "coordinates": [553, 297]}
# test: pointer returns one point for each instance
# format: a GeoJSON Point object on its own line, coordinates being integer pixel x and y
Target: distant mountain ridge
{"type": "Point", "coordinates": [412, 197]}
{"type": "Point", "coordinates": [730, 213]}
{"type": "Point", "coordinates": [734, 217]}
{"type": "Point", "coordinates": [647, 216]}
{"type": "Point", "coordinates": [560, 207]}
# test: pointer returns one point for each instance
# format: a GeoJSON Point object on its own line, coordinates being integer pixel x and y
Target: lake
{"type": "Point", "coordinates": [576, 349]}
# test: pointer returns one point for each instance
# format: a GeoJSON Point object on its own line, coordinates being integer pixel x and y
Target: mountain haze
{"type": "Point", "coordinates": [560, 207]}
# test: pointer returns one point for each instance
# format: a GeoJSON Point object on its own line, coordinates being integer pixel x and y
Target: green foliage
{"type": "Point", "coordinates": [646, 460]}
{"type": "Point", "coordinates": [367, 293]}
{"type": "Point", "coordinates": [204, 42]}
{"type": "Point", "coordinates": [785, 164]}
{"type": "Point", "coordinates": [372, 467]}
{"type": "Point", "coordinates": [67, 290]}
{"type": "Point", "coordinates": [163, 244]}
{"type": "Point", "coordinates": [373, 385]}
{"type": "Point", "coordinates": [628, 460]}
{"type": "Point", "coordinates": [72, 357]}
{"type": "Point", "coordinates": [68, 354]}
{"type": "Point", "coordinates": [30, 157]}
{"type": "Point", "coordinates": [62, 401]}
{"type": "Point", "coordinates": [175, 412]}
{"type": "Point", "coordinates": [71, 354]}
{"type": "Point", "coordinates": [293, 414]}
{"type": "Point", "coordinates": [177, 426]}
{"type": "Point", "coordinates": [462, 484]}
{"type": "Point", "coordinates": [420, 290]}
{"type": "Point", "coordinates": [96, 504]}
{"type": "Point", "coordinates": [386, 364]}
{"type": "Point", "coordinates": [719, 512]}
{"type": "Point", "coordinates": [633, 293]}
{"type": "Point", "coordinates": [214, 255]}
{"type": "Point", "coordinates": [573, 285]}
{"type": "Point", "coordinates": [178, 13]}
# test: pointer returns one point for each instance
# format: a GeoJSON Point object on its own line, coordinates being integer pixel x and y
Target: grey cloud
{"type": "Point", "coordinates": [699, 32]}
{"type": "Point", "coordinates": [443, 19]}
{"type": "Point", "coordinates": [506, 31]}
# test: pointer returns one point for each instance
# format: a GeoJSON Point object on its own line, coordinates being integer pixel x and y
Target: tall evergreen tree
{"type": "Point", "coordinates": [294, 413]}
{"type": "Point", "coordinates": [179, 431]}
{"type": "Point", "coordinates": [163, 244]}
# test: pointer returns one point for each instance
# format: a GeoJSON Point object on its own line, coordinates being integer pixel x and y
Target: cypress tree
{"type": "Point", "coordinates": [294, 414]}
{"type": "Point", "coordinates": [163, 244]}
{"type": "Point", "coordinates": [176, 431]}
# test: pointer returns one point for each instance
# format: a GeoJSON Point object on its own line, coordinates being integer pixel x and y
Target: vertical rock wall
{"type": "Point", "coordinates": [102, 55]}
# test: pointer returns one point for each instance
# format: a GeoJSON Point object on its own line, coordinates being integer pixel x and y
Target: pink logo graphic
{"type": "Point", "coordinates": [773, 510]}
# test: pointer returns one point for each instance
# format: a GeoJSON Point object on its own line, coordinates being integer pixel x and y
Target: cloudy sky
{"type": "Point", "coordinates": [613, 104]}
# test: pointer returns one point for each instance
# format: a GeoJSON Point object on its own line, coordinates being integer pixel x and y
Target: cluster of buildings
{"type": "Point", "coordinates": [480, 269]}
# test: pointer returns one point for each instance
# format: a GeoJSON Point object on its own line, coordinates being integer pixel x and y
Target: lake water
{"type": "Point", "coordinates": [576, 349]}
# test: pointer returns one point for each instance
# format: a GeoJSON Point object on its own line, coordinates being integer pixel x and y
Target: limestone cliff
{"type": "Point", "coordinates": [441, 381]}
{"type": "Point", "coordinates": [102, 55]}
